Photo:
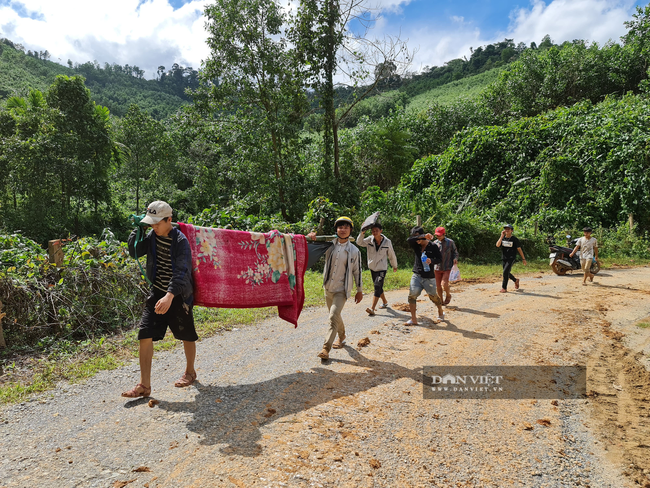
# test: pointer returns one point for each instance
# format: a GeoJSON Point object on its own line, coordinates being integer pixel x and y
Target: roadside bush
{"type": "Point", "coordinates": [98, 290]}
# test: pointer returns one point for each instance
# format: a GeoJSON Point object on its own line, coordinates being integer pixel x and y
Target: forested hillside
{"type": "Point", "coordinates": [113, 86]}
{"type": "Point", "coordinates": [556, 136]}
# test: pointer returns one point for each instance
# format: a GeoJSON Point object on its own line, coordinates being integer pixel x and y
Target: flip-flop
{"type": "Point", "coordinates": [370, 311]}
{"type": "Point", "coordinates": [503, 290]}
{"type": "Point", "coordinates": [441, 318]}
{"type": "Point", "coordinates": [383, 305]}
{"type": "Point", "coordinates": [410, 322]}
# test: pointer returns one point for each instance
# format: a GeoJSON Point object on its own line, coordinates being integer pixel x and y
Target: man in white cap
{"type": "Point", "coordinates": [169, 269]}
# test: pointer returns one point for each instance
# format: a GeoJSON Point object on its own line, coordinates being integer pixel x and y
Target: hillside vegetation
{"type": "Point", "coordinates": [111, 86]}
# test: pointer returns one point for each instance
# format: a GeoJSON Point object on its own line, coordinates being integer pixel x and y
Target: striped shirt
{"type": "Point", "coordinates": [163, 263]}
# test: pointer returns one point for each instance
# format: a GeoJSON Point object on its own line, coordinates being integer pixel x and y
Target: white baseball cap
{"type": "Point", "coordinates": [156, 211]}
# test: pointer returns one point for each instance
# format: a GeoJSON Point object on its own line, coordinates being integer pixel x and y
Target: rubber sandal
{"type": "Point", "coordinates": [516, 284]}
{"type": "Point", "coordinates": [324, 354]}
{"type": "Point", "coordinates": [370, 311]}
{"type": "Point", "coordinates": [441, 318]}
{"type": "Point", "coordinates": [410, 322]}
{"type": "Point", "coordinates": [503, 290]}
{"type": "Point", "coordinates": [186, 380]}
{"type": "Point", "coordinates": [383, 305]}
{"type": "Point", "coordinates": [133, 393]}
{"type": "Point", "coordinates": [338, 344]}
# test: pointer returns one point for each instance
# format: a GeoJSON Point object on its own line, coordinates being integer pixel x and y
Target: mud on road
{"type": "Point", "coordinates": [267, 412]}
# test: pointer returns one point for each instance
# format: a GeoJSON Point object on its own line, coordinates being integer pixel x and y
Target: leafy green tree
{"type": "Point", "coordinates": [252, 73]}
{"type": "Point", "coordinates": [327, 46]}
{"type": "Point", "coordinates": [148, 154]}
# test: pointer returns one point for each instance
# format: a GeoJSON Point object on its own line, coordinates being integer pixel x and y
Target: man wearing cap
{"type": "Point", "coordinates": [342, 267]}
{"type": "Point", "coordinates": [422, 279]}
{"type": "Point", "coordinates": [588, 252]}
{"type": "Point", "coordinates": [380, 251]}
{"type": "Point", "coordinates": [510, 246]}
{"type": "Point", "coordinates": [449, 255]}
{"type": "Point", "coordinates": [169, 269]}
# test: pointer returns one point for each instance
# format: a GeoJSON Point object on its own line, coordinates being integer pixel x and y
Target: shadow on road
{"type": "Point", "coordinates": [490, 315]}
{"type": "Point", "coordinates": [523, 292]}
{"type": "Point", "coordinates": [235, 414]}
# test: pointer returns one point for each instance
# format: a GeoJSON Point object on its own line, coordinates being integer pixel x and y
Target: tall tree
{"type": "Point", "coordinates": [147, 151]}
{"type": "Point", "coordinates": [328, 46]}
{"type": "Point", "coordinates": [251, 71]}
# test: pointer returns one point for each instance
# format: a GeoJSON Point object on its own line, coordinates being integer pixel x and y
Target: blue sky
{"type": "Point", "coordinates": [150, 33]}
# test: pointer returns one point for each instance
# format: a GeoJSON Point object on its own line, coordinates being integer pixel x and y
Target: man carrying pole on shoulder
{"type": "Point", "coordinates": [342, 267]}
{"type": "Point", "coordinates": [169, 270]}
{"type": "Point", "coordinates": [380, 251]}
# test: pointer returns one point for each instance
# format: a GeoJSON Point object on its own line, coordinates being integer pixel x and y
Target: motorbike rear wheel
{"type": "Point", "coordinates": [558, 269]}
{"type": "Point", "coordinates": [595, 268]}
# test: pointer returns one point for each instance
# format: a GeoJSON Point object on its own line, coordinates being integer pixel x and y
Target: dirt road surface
{"type": "Point", "coordinates": [267, 413]}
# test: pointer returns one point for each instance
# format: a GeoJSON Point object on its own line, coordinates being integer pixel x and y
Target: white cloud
{"type": "Point", "coordinates": [143, 33]}
{"type": "Point", "coordinates": [566, 20]}
{"type": "Point", "coordinates": [563, 20]}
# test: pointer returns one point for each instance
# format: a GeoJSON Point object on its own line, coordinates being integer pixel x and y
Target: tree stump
{"type": "Point", "coordinates": [55, 252]}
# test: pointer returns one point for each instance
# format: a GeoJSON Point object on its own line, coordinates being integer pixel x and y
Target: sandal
{"type": "Point", "coordinates": [186, 380]}
{"type": "Point", "coordinates": [503, 290]}
{"type": "Point", "coordinates": [410, 322]}
{"type": "Point", "coordinates": [370, 311]}
{"type": "Point", "coordinates": [135, 393]}
{"type": "Point", "coordinates": [383, 305]}
{"type": "Point", "coordinates": [339, 343]}
{"type": "Point", "coordinates": [447, 300]}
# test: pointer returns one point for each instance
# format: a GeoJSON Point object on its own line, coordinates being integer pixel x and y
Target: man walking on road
{"type": "Point", "coordinates": [169, 269]}
{"type": "Point", "coordinates": [588, 252]}
{"type": "Point", "coordinates": [380, 251]}
{"type": "Point", "coordinates": [342, 266]}
{"type": "Point", "coordinates": [426, 255]}
{"type": "Point", "coordinates": [510, 246]}
{"type": "Point", "coordinates": [449, 255]}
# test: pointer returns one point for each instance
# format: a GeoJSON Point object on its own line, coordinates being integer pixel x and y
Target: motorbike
{"type": "Point", "coordinates": [561, 262]}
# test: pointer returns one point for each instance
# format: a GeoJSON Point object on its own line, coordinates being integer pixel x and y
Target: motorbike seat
{"type": "Point", "coordinates": [564, 249]}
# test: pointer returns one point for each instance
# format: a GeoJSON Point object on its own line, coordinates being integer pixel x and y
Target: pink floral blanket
{"type": "Point", "coordinates": [237, 269]}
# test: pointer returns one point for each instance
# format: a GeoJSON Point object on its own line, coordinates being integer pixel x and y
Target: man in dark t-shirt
{"type": "Point", "coordinates": [421, 279]}
{"type": "Point", "coordinates": [510, 246]}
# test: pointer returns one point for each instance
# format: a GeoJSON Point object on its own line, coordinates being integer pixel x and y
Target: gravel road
{"type": "Point", "coordinates": [267, 413]}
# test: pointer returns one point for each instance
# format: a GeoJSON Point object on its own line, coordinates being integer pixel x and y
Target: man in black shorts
{"type": "Point", "coordinates": [169, 269]}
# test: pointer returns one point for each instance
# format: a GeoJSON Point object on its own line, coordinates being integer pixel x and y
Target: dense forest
{"type": "Point", "coordinates": [83, 151]}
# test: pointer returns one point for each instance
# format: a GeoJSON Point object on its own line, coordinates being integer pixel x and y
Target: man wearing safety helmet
{"type": "Point", "coordinates": [342, 266]}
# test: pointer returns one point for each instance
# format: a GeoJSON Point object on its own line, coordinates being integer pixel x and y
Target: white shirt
{"type": "Point", "coordinates": [587, 247]}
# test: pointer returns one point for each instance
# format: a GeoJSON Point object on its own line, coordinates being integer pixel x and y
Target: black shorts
{"type": "Point", "coordinates": [178, 318]}
{"type": "Point", "coordinates": [378, 280]}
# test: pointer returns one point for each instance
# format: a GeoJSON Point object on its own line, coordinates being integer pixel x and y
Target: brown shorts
{"type": "Point", "coordinates": [585, 264]}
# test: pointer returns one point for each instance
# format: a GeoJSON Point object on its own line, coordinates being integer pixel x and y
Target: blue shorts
{"type": "Point", "coordinates": [418, 284]}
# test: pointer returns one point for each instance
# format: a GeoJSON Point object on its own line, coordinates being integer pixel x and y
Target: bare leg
{"type": "Point", "coordinates": [383, 299]}
{"type": "Point", "coordinates": [190, 355]}
{"type": "Point", "coordinates": [146, 356]}
{"type": "Point", "coordinates": [374, 303]}
{"type": "Point", "coordinates": [414, 318]}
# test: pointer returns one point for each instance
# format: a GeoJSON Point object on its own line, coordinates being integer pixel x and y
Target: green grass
{"type": "Point", "coordinates": [643, 325]}
{"type": "Point", "coordinates": [451, 92]}
{"type": "Point", "coordinates": [112, 352]}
